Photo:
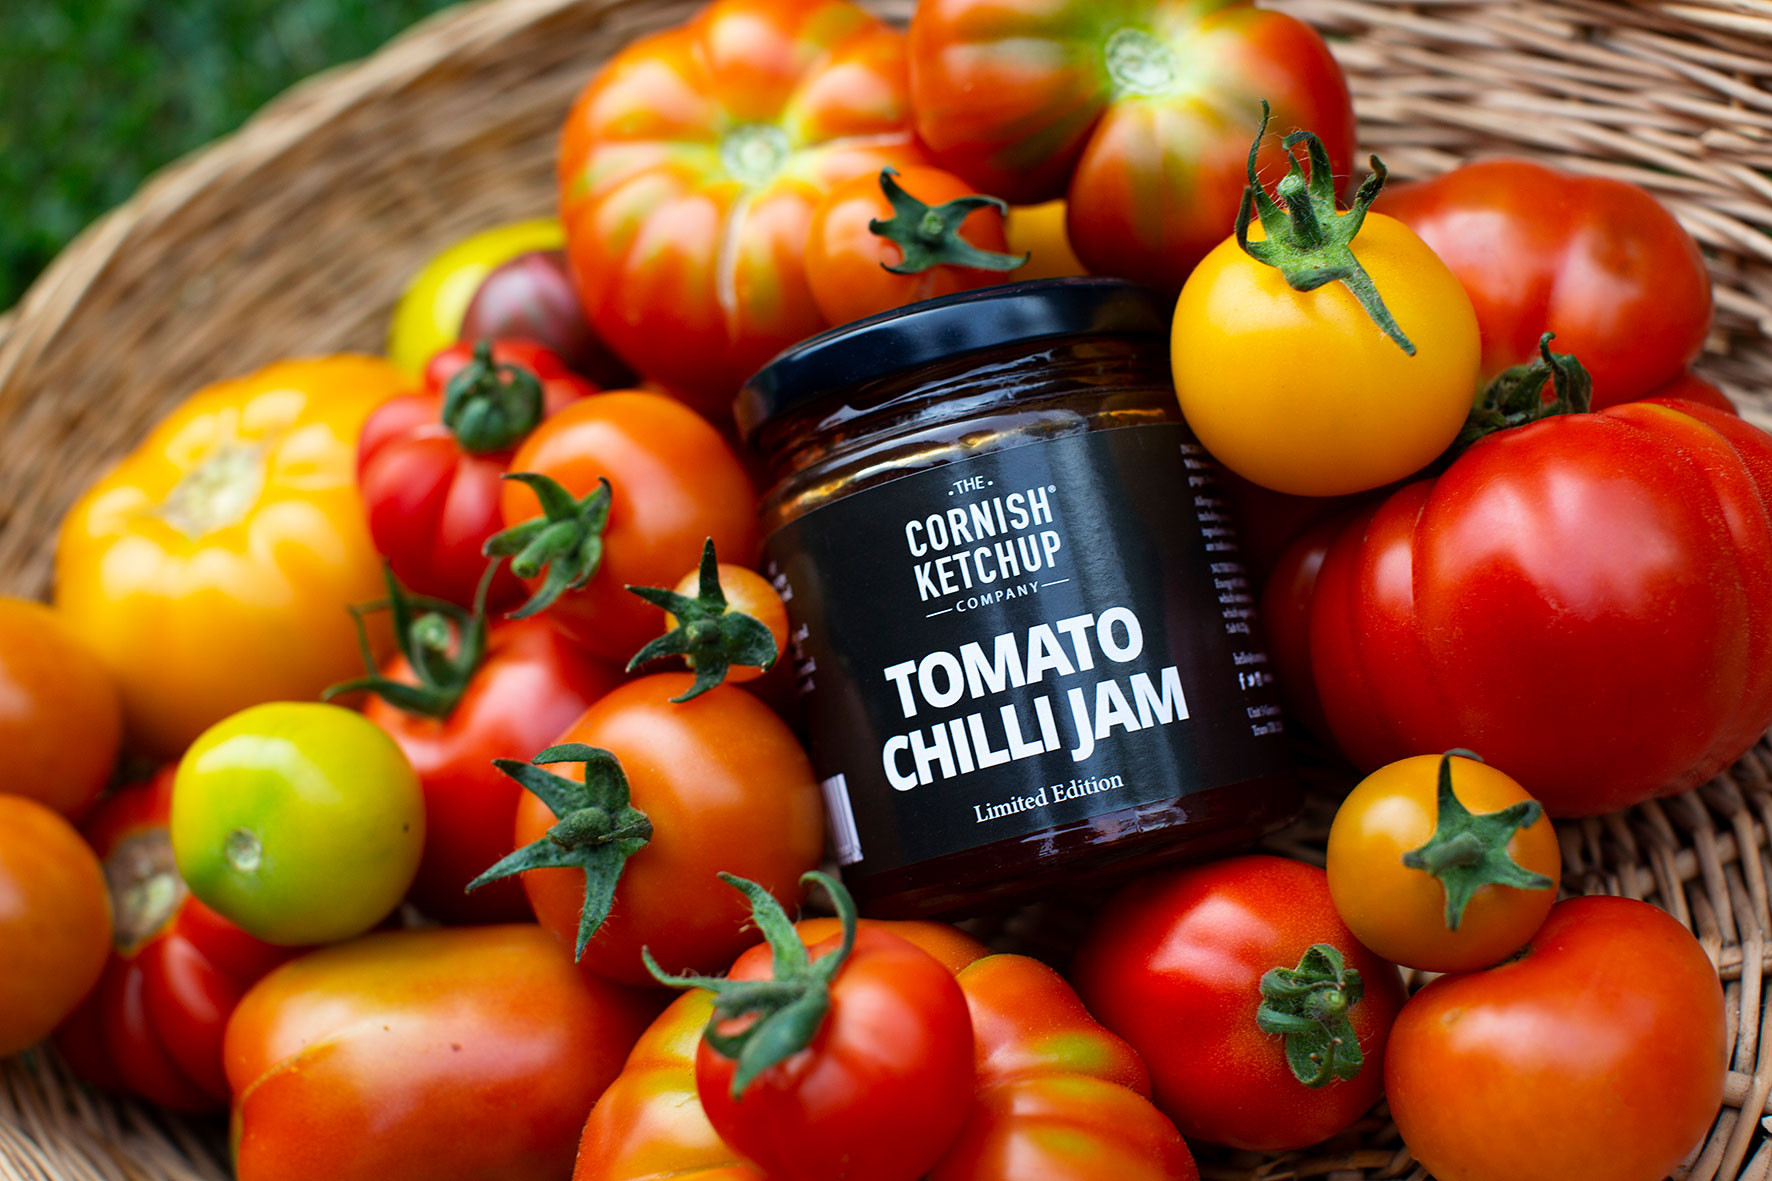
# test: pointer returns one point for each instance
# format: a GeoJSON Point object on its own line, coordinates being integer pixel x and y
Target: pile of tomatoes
{"type": "Point", "coordinates": [406, 730]}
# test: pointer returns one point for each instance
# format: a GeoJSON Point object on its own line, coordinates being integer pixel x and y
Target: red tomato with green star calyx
{"type": "Point", "coordinates": [1138, 110]}
{"type": "Point", "coordinates": [690, 166]}
{"type": "Point", "coordinates": [1597, 1053]}
{"type": "Point", "coordinates": [1179, 964]}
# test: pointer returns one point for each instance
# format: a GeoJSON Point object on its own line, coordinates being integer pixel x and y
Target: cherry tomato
{"type": "Point", "coordinates": [301, 822]}
{"type": "Point", "coordinates": [443, 1055]}
{"type": "Point", "coordinates": [154, 1024]}
{"type": "Point", "coordinates": [1597, 261]}
{"type": "Point", "coordinates": [55, 921]}
{"type": "Point", "coordinates": [866, 226]}
{"type": "Point", "coordinates": [1485, 867]}
{"type": "Point", "coordinates": [690, 166]}
{"type": "Point", "coordinates": [1038, 232]}
{"type": "Point", "coordinates": [727, 623]}
{"type": "Point", "coordinates": [1137, 110]}
{"type": "Point", "coordinates": [1599, 1053]}
{"type": "Point", "coordinates": [60, 718]}
{"type": "Point", "coordinates": [1301, 391]}
{"type": "Point", "coordinates": [724, 786]}
{"type": "Point", "coordinates": [531, 298]}
{"type": "Point", "coordinates": [1179, 964]}
{"type": "Point", "coordinates": [432, 490]}
{"type": "Point", "coordinates": [674, 483]}
{"type": "Point", "coordinates": [528, 686]}
{"type": "Point", "coordinates": [429, 314]}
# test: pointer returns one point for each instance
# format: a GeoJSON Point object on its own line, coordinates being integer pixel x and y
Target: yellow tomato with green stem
{"type": "Point", "coordinates": [1320, 352]}
{"type": "Point", "coordinates": [212, 569]}
{"type": "Point", "coordinates": [429, 316]}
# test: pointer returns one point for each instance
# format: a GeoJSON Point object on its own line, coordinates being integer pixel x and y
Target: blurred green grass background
{"type": "Point", "coordinates": [97, 94]}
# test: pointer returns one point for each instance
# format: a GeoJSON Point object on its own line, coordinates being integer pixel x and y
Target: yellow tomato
{"type": "Point", "coordinates": [212, 569]}
{"type": "Point", "coordinates": [1472, 846]}
{"type": "Point", "coordinates": [429, 315]}
{"type": "Point", "coordinates": [1038, 231]}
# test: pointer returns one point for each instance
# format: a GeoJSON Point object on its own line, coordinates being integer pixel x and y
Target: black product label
{"type": "Point", "coordinates": [1024, 639]}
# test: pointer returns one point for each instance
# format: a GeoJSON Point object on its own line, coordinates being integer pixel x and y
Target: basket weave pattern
{"type": "Point", "coordinates": [295, 235]}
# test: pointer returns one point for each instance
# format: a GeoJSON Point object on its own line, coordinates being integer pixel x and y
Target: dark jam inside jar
{"type": "Point", "coordinates": [1023, 637]}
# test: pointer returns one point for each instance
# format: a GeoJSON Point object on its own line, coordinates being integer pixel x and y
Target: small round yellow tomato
{"type": "Point", "coordinates": [428, 317]}
{"type": "Point", "coordinates": [1400, 850]}
{"type": "Point", "coordinates": [213, 568]}
{"type": "Point", "coordinates": [1038, 231]}
{"type": "Point", "coordinates": [1286, 367]}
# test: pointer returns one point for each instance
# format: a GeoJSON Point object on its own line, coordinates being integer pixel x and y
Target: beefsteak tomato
{"type": "Point", "coordinates": [430, 463]}
{"type": "Point", "coordinates": [211, 570]}
{"type": "Point", "coordinates": [1596, 261]}
{"type": "Point", "coordinates": [1196, 968]}
{"type": "Point", "coordinates": [1138, 109]}
{"type": "Point", "coordinates": [689, 169]}
{"type": "Point", "coordinates": [465, 1054]}
{"type": "Point", "coordinates": [154, 1024]}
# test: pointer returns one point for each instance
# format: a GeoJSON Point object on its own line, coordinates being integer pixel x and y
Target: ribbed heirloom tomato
{"type": "Point", "coordinates": [689, 169]}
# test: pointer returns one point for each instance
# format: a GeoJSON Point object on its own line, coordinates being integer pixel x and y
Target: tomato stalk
{"type": "Point", "coordinates": [1308, 1006]}
{"type": "Point", "coordinates": [566, 540]}
{"type": "Point", "coordinates": [1308, 242]}
{"type": "Point", "coordinates": [1516, 396]}
{"type": "Point", "coordinates": [1469, 851]}
{"type": "Point", "coordinates": [489, 406]}
{"type": "Point", "coordinates": [929, 235]}
{"type": "Point", "coordinates": [790, 1007]}
{"type": "Point", "coordinates": [709, 634]}
{"type": "Point", "coordinates": [444, 645]}
{"type": "Point", "coordinates": [598, 828]}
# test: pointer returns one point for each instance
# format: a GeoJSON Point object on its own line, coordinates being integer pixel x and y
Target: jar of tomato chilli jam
{"type": "Point", "coordinates": [1022, 634]}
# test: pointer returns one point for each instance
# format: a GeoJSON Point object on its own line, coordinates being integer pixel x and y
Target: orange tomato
{"type": "Point", "coordinates": [60, 719]}
{"type": "Point", "coordinates": [747, 593]}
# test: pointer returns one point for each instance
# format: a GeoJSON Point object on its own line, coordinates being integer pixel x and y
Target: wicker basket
{"type": "Point", "coordinates": [295, 235]}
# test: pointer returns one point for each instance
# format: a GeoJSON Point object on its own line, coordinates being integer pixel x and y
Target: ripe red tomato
{"type": "Point", "coordinates": [61, 719]}
{"type": "Point", "coordinates": [673, 483]}
{"type": "Point", "coordinates": [1585, 600]}
{"type": "Point", "coordinates": [690, 166]}
{"type": "Point", "coordinates": [431, 490]}
{"type": "Point", "coordinates": [1693, 388]}
{"type": "Point", "coordinates": [875, 1090]}
{"type": "Point", "coordinates": [1599, 1053]}
{"type": "Point", "coordinates": [724, 786]}
{"type": "Point", "coordinates": [453, 1054]}
{"type": "Point", "coordinates": [1140, 110]}
{"type": "Point", "coordinates": [1597, 261]}
{"type": "Point", "coordinates": [55, 921]}
{"type": "Point", "coordinates": [923, 218]}
{"type": "Point", "coordinates": [1178, 964]}
{"type": "Point", "coordinates": [530, 684]}
{"type": "Point", "coordinates": [154, 1024]}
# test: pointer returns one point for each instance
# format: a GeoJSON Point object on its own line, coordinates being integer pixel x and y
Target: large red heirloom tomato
{"type": "Point", "coordinates": [154, 1024]}
{"type": "Point", "coordinates": [690, 167]}
{"type": "Point", "coordinates": [1140, 110]}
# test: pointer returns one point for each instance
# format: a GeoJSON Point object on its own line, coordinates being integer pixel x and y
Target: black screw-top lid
{"type": "Point", "coordinates": [938, 329]}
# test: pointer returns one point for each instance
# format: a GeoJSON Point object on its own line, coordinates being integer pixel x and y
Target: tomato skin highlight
{"type": "Point", "coordinates": [1597, 261]}
{"type": "Point", "coordinates": [881, 1090]}
{"type": "Point", "coordinates": [726, 786]}
{"type": "Point", "coordinates": [532, 685]}
{"type": "Point", "coordinates": [464, 1054]}
{"type": "Point", "coordinates": [1399, 912]}
{"type": "Point", "coordinates": [1174, 965]}
{"type": "Point", "coordinates": [1599, 1054]}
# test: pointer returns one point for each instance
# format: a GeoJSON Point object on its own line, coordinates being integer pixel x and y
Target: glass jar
{"type": "Point", "coordinates": [1022, 635]}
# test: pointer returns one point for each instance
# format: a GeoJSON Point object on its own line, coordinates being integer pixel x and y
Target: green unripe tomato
{"type": "Point", "coordinates": [301, 822]}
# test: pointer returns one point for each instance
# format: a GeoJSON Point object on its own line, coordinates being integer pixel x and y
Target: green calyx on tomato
{"type": "Point", "coordinates": [1307, 241]}
{"type": "Point", "coordinates": [443, 643]}
{"type": "Point", "coordinates": [711, 635]}
{"type": "Point", "coordinates": [489, 406]}
{"type": "Point", "coordinates": [566, 540]}
{"type": "Point", "coordinates": [597, 828]}
{"type": "Point", "coordinates": [1516, 396]}
{"type": "Point", "coordinates": [790, 1006]}
{"type": "Point", "coordinates": [929, 235]}
{"type": "Point", "coordinates": [1469, 850]}
{"type": "Point", "coordinates": [1308, 1006]}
